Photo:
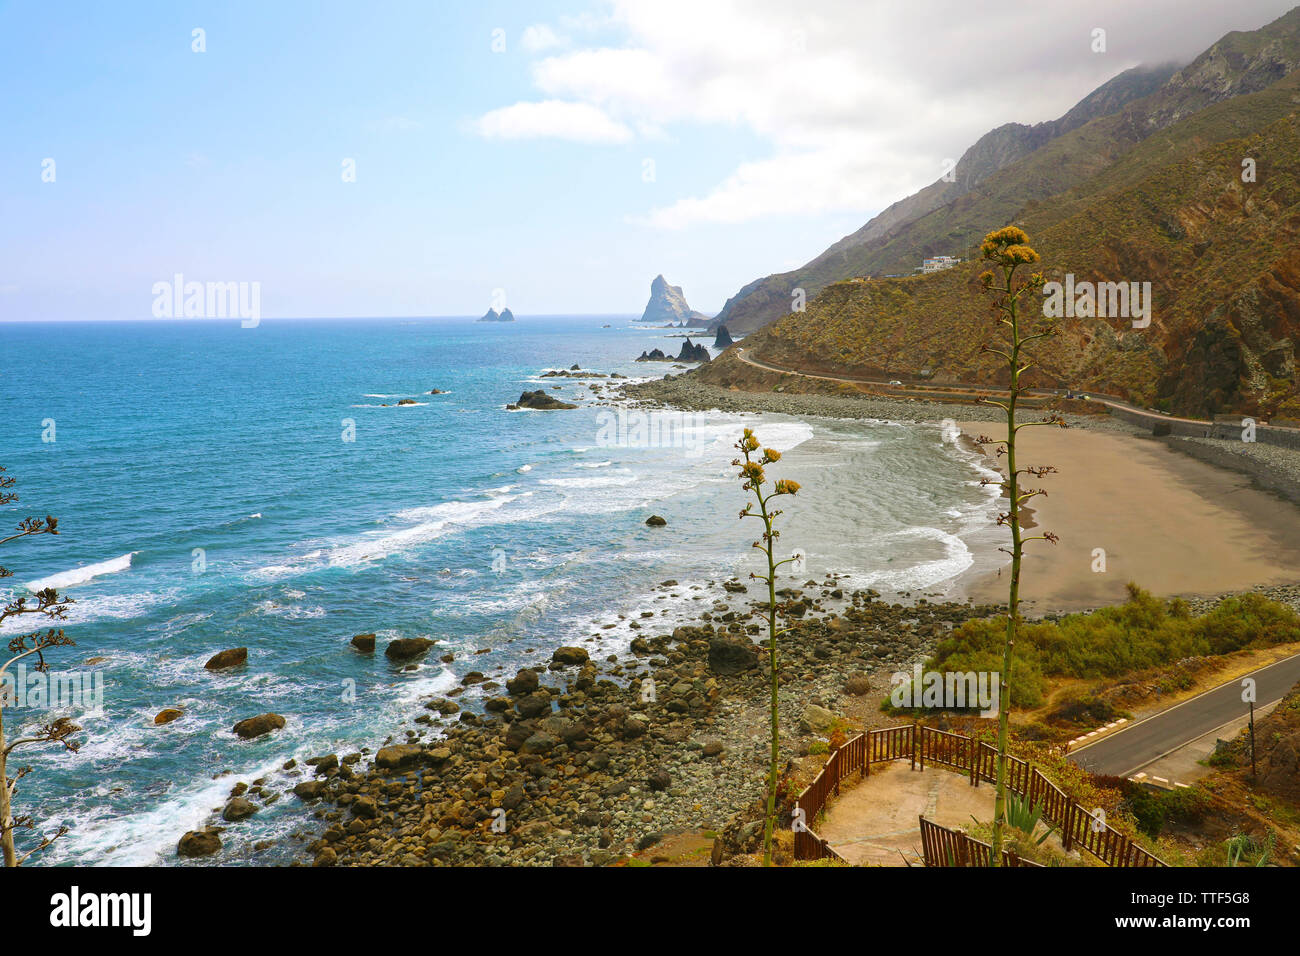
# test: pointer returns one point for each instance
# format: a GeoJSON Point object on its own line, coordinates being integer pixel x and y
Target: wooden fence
{"type": "Point", "coordinates": [943, 847]}
{"type": "Point", "coordinates": [977, 761]}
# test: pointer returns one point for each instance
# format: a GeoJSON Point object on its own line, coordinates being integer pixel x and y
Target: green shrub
{"type": "Point", "coordinates": [1154, 809]}
{"type": "Point", "coordinates": [1141, 633]}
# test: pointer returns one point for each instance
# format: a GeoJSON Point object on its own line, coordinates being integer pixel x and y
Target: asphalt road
{"type": "Point", "coordinates": [919, 391]}
{"type": "Point", "coordinates": [1129, 750]}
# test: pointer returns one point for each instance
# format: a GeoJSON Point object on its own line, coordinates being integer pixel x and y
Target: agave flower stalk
{"type": "Point", "coordinates": [1006, 250]}
{"type": "Point", "coordinates": [751, 472]}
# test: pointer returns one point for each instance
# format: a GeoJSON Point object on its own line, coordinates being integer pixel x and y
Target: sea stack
{"type": "Point", "coordinates": [492, 315]}
{"type": "Point", "coordinates": [723, 339]}
{"type": "Point", "coordinates": [667, 306]}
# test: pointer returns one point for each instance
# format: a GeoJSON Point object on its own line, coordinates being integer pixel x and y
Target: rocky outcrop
{"type": "Point", "coordinates": [538, 400]}
{"type": "Point", "coordinates": [569, 655]}
{"type": "Point", "coordinates": [656, 521]}
{"type": "Point", "coordinates": [723, 338]}
{"type": "Point", "coordinates": [199, 843]}
{"type": "Point", "coordinates": [365, 643]}
{"type": "Point", "coordinates": [258, 726]}
{"type": "Point", "coordinates": [729, 656]}
{"type": "Point", "coordinates": [397, 757]}
{"type": "Point", "coordinates": [231, 658]}
{"type": "Point", "coordinates": [239, 808]}
{"type": "Point", "coordinates": [693, 352]}
{"type": "Point", "coordinates": [407, 648]}
{"type": "Point", "coordinates": [668, 306]}
{"type": "Point", "coordinates": [492, 315]}
{"type": "Point", "coordinates": [690, 352]}
{"type": "Point", "coordinates": [167, 715]}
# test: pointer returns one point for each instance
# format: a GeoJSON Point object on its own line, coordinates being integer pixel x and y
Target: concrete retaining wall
{"type": "Point", "coordinates": [1225, 430]}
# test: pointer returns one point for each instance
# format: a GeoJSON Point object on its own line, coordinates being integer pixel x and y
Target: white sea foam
{"type": "Point", "coordinates": [66, 579]}
{"type": "Point", "coordinates": [434, 522]}
{"type": "Point", "coordinates": [601, 481]}
{"type": "Point", "coordinates": [957, 558]}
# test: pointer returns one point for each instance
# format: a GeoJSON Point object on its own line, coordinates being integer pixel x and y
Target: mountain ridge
{"type": "Point", "coordinates": [949, 218]}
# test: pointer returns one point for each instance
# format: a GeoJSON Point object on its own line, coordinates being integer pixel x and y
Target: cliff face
{"type": "Point", "coordinates": [667, 305]}
{"type": "Point", "coordinates": [1222, 258]}
{"type": "Point", "coordinates": [1003, 175]}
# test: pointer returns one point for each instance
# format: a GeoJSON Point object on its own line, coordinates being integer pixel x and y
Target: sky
{"type": "Point", "coordinates": [423, 158]}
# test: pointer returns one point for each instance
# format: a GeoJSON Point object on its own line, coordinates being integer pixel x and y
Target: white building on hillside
{"type": "Point", "coordinates": [938, 263]}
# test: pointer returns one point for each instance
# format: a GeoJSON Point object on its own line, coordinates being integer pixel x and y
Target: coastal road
{"type": "Point", "coordinates": [1127, 751]}
{"type": "Point", "coordinates": [919, 391]}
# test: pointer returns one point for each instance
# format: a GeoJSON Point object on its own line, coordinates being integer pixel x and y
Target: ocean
{"type": "Point", "coordinates": [220, 487]}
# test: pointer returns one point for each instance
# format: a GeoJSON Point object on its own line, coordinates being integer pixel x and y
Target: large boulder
{"type": "Point", "coordinates": [570, 655]}
{"type": "Point", "coordinates": [539, 400]}
{"type": "Point", "coordinates": [365, 643]}
{"type": "Point", "coordinates": [238, 808]}
{"type": "Point", "coordinates": [727, 656]}
{"type": "Point", "coordinates": [656, 521]}
{"type": "Point", "coordinates": [259, 726]}
{"type": "Point", "coordinates": [533, 705]}
{"type": "Point", "coordinates": [199, 843]}
{"type": "Point", "coordinates": [310, 790]}
{"type": "Point", "coordinates": [397, 756]}
{"type": "Point", "coordinates": [231, 658]}
{"type": "Point", "coordinates": [817, 720]}
{"type": "Point", "coordinates": [167, 715]}
{"type": "Point", "coordinates": [525, 682]}
{"type": "Point", "coordinates": [539, 743]}
{"type": "Point", "coordinates": [407, 648]}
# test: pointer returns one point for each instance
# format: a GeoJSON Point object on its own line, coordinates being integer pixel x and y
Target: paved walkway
{"type": "Point", "coordinates": [875, 823]}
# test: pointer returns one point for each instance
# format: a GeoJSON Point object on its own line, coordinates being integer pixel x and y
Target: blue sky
{"type": "Point", "coordinates": [772, 133]}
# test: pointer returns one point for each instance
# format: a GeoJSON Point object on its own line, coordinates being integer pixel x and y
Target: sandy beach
{"type": "Point", "coordinates": [1174, 525]}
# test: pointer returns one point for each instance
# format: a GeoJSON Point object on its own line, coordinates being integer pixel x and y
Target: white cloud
{"type": "Point", "coordinates": [858, 101]}
{"type": "Point", "coordinates": [553, 119]}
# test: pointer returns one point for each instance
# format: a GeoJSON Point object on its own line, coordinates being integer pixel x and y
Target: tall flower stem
{"type": "Point", "coordinates": [751, 471]}
{"type": "Point", "coordinates": [1007, 249]}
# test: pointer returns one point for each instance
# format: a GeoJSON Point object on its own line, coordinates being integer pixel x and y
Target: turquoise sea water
{"type": "Point", "coordinates": [208, 499]}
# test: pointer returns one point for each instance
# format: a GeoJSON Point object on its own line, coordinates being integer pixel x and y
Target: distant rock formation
{"type": "Point", "coordinates": [723, 339]}
{"type": "Point", "coordinates": [492, 315]}
{"type": "Point", "coordinates": [691, 352]}
{"type": "Point", "coordinates": [668, 305]}
{"type": "Point", "coordinates": [539, 400]}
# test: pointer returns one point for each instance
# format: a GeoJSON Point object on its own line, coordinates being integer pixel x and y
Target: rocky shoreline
{"type": "Point", "coordinates": [687, 394]}
{"type": "Point", "coordinates": [586, 763]}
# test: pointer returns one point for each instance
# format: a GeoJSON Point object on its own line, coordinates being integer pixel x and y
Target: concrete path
{"type": "Point", "coordinates": [875, 823]}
